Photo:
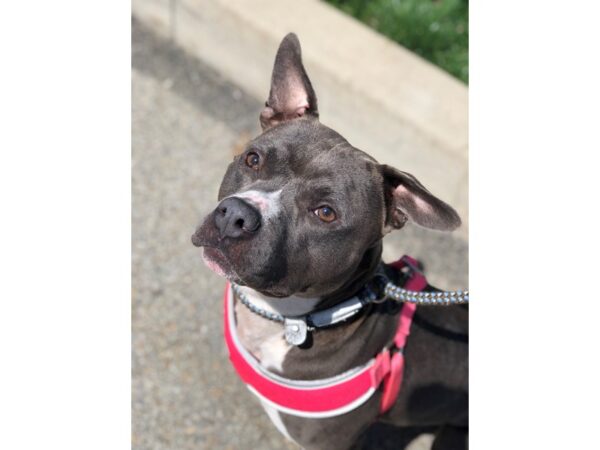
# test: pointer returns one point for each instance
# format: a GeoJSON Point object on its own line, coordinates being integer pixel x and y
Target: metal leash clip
{"type": "Point", "coordinates": [379, 281]}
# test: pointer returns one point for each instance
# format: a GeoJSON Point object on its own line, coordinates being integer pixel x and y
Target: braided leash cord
{"type": "Point", "coordinates": [444, 298]}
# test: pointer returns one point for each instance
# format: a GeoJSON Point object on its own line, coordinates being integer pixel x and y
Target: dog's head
{"type": "Point", "coordinates": [300, 207]}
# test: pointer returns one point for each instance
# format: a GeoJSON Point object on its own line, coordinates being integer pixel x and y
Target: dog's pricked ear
{"type": "Point", "coordinates": [291, 94]}
{"type": "Point", "coordinates": [407, 199]}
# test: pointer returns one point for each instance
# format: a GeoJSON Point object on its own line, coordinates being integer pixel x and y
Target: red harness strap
{"type": "Point", "coordinates": [332, 396]}
{"type": "Point", "coordinates": [393, 381]}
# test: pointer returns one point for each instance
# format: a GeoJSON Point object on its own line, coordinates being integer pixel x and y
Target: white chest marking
{"type": "Point", "coordinates": [261, 337]}
{"type": "Point", "coordinates": [264, 338]}
{"type": "Point", "coordinates": [273, 352]}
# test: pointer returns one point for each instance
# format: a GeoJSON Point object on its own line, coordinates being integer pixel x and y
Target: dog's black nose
{"type": "Point", "coordinates": [234, 216]}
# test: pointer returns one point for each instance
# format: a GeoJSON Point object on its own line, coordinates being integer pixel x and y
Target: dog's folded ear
{"type": "Point", "coordinates": [407, 199]}
{"type": "Point", "coordinates": [291, 94]}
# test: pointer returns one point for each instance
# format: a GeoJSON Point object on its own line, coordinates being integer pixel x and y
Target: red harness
{"type": "Point", "coordinates": [331, 396]}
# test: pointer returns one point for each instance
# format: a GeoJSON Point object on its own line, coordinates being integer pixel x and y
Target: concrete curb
{"type": "Point", "coordinates": [381, 97]}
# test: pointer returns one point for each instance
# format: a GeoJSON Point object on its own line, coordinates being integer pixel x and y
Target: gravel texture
{"type": "Point", "coordinates": [186, 122]}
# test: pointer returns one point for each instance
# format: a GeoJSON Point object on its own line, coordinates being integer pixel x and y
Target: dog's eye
{"type": "Point", "coordinates": [253, 160]}
{"type": "Point", "coordinates": [325, 213]}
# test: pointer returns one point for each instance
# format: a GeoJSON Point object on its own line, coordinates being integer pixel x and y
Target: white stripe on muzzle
{"type": "Point", "coordinates": [268, 203]}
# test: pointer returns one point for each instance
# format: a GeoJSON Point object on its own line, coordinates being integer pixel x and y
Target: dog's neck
{"type": "Point", "coordinates": [358, 279]}
{"type": "Point", "coordinates": [298, 306]}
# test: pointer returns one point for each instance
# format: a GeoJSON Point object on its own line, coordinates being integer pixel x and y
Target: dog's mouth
{"type": "Point", "coordinates": [216, 261]}
{"type": "Point", "coordinates": [212, 254]}
{"type": "Point", "coordinates": [223, 264]}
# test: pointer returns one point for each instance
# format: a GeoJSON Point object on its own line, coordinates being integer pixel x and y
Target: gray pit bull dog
{"type": "Point", "coordinates": [299, 228]}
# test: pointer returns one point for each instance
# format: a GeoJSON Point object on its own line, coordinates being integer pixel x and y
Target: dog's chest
{"type": "Point", "coordinates": [263, 338]}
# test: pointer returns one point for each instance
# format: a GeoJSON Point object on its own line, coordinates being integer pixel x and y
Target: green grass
{"type": "Point", "coordinates": [438, 30]}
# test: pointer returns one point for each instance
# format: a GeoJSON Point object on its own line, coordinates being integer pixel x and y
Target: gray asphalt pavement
{"type": "Point", "coordinates": [186, 122]}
